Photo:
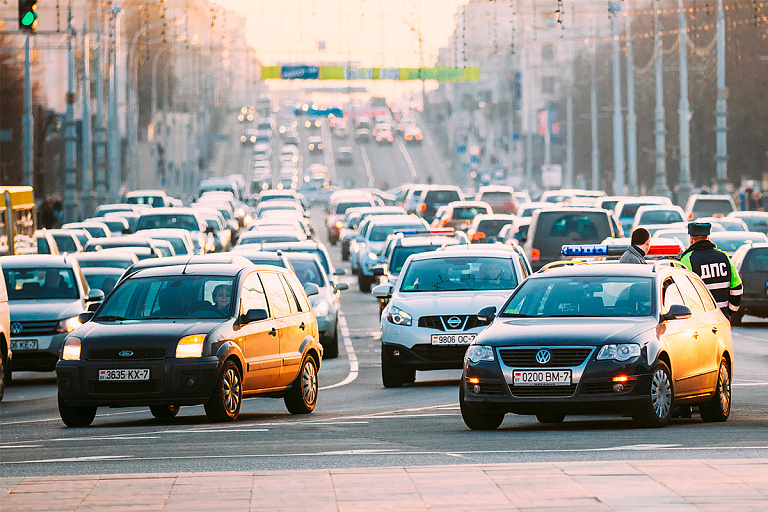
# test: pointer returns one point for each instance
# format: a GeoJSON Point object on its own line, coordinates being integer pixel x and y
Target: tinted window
{"type": "Point", "coordinates": [758, 260]}
{"type": "Point", "coordinates": [292, 302]}
{"type": "Point", "coordinates": [400, 254]}
{"type": "Point", "coordinates": [178, 245]}
{"type": "Point", "coordinates": [307, 271]}
{"type": "Point", "coordinates": [630, 209]}
{"type": "Point", "coordinates": [380, 233]}
{"type": "Point", "coordinates": [181, 221]}
{"type": "Point", "coordinates": [468, 213]}
{"type": "Point", "coordinates": [65, 243]}
{"type": "Point", "coordinates": [660, 217]}
{"type": "Point", "coordinates": [298, 291]}
{"type": "Point", "coordinates": [756, 224]}
{"type": "Point", "coordinates": [40, 283]}
{"type": "Point", "coordinates": [492, 227]}
{"type": "Point", "coordinates": [103, 282]}
{"type": "Point", "coordinates": [704, 295]}
{"type": "Point", "coordinates": [154, 201]}
{"type": "Point", "coordinates": [441, 196]}
{"type": "Point", "coordinates": [671, 295]}
{"type": "Point", "coordinates": [460, 274]}
{"type": "Point", "coordinates": [710, 207]}
{"type": "Point", "coordinates": [42, 245]}
{"type": "Point", "coordinates": [496, 197]}
{"type": "Point", "coordinates": [278, 301]}
{"type": "Point", "coordinates": [557, 228]}
{"type": "Point", "coordinates": [252, 296]}
{"type": "Point", "coordinates": [343, 207]}
{"type": "Point", "coordinates": [582, 296]}
{"type": "Point", "coordinates": [690, 295]}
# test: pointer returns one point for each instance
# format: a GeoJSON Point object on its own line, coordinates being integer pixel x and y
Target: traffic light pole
{"type": "Point", "coordinates": [28, 121]}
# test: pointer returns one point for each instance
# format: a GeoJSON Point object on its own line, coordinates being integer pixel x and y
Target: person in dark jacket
{"type": "Point", "coordinates": [714, 267]}
{"type": "Point", "coordinates": [640, 243]}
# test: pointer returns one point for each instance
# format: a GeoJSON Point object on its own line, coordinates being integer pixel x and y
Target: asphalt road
{"type": "Point", "coordinates": [358, 423]}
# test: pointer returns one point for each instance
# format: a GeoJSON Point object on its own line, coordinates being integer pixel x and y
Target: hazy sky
{"type": "Point", "coordinates": [375, 33]}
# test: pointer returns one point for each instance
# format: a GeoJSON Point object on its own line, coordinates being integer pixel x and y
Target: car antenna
{"type": "Point", "coordinates": [184, 271]}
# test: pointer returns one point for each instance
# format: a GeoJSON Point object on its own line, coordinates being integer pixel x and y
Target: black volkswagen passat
{"type": "Point", "coordinates": [209, 334]}
{"type": "Point", "coordinates": [601, 338]}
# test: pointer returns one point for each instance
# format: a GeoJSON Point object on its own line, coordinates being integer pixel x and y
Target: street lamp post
{"type": "Point", "coordinates": [618, 124]}
{"type": "Point", "coordinates": [684, 112]}
{"type": "Point", "coordinates": [660, 187]}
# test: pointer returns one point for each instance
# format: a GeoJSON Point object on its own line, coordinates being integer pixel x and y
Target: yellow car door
{"type": "Point", "coordinates": [703, 337]}
{"type": "Point", "coordinates": [287, 325]}
{"type": "Point", "coordinates": [718, 329]}
{"type": "Point", "coordinates": [676, 334]}
{"type": "Point", "coordinates": [259, 340]}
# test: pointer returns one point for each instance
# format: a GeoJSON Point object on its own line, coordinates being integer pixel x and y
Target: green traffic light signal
{"type": "Point", "coordinates": [28, 15]}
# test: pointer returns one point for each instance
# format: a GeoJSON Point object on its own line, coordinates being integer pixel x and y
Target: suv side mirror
{"type": "Point", "coordinates": [340, 272]}
{"type": "Point", "coordinates": [487, 314]}
{"type": "Point", "coordinates": [341, 287]}
{"type": "Point", "coordinates": [382, 291]}
{"type": "Point", "coordinates": [311, 289]}
{"type": "Point", "coordinates": [254, 315]}
{"type": "Point", "coordinates": [676, 312]}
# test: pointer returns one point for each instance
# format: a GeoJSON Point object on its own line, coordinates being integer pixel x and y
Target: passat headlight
{"type": "Point", "coordinates": [477, 353]}
{"type": "Point", "coordinates": [190, 346]}
{"type": "Point", "coordinates": [71, 350]}
{"type": "Point", "coordinates": [68, 324]}
{"type": "Point", "coordinates": [399, 317]}
{"type": "Point", "coordinates": [621, 352]}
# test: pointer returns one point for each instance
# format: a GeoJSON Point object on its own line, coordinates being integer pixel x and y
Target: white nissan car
{"type": "Point", "coordinates": [431, 317]}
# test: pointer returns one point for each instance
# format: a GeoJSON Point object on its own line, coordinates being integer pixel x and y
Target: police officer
{"type": "Point", "coordinates": [714, 267]}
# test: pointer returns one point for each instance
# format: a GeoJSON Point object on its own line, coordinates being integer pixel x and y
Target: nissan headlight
{"type": "Point", "coordinates": [68, 324]}
{"type": "Point", "coordinates": [478, 353]}
{"type": "Point", "coordinates": [190, 346]}
{"type": "Point", "coordinates": [71, 350]}
{"type": "Point", "coordinates": [321, 308]}
{"type": "Point", "coordinates": [399, 317]}
{"type": "Point", "coordinates": [619, 352]}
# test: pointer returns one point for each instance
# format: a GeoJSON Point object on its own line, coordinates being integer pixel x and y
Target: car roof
{"type": "Point", "coordinates": [169, 210]}
{"type": "Point", "coordinates": [394, 219]}
{"type": "Point", "coordinates": [164, 231]}
{"type": "Point", "coordinates": [37, 260]}
{"type": "Point", "coordinates": [222, 269]}
{"type": "Point", "coordinates": [417, 241]}
{"type": "Point", "coordinates": [469, 251]}
{"type": "Point", "coordinates": [106, 254]}
{"type": "Point", "coordinates": [735, 235]}
{"type": "Point", "coordinates": [97, 271]}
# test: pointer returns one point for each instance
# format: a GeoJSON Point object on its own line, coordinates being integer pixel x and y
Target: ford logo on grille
{"type": "Point", "coordinates": [543, 356]}
{"type": "Point", "coordinates": [453, 322]}
{"type": "Point", "coordinates": [125, 353]}
{"type": "Point", "coordinates": [16, 327]}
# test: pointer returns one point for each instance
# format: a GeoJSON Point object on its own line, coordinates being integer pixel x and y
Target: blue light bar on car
{"type": "Point", "coordinates": [584, 250]}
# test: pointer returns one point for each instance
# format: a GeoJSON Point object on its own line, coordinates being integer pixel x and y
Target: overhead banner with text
{"type": "Point", "coordinates": [302, 72]}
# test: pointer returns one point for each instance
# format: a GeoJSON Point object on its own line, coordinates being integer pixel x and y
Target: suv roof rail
{"type": "Point", "coordinates": [667, 263]}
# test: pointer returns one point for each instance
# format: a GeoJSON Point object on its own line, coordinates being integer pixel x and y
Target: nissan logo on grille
{"type": "Point", "coordinates": [453, 322]}
{"type": "Point", "coordinates": [16, 327]}
{"type": "Point", "coordinates": [125, 353]}
{"type": "Point", "coordinates": [543, 356]}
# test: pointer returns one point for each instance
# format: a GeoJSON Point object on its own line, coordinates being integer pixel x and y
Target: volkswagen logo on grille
{"type": "Point", "coordinates": [453, 322]}
{"type": "Point", "coordinates": [16, 327]}
{"type": "Point", "coordinates": [125, 353]}
{"type": "Point", "coordinates": [543, 356]}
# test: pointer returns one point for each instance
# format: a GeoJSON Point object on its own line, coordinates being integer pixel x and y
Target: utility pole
{"type": "Point", "coordinates": [28, 120]}
{"type": "Point", "coordinates": [684, 182]}
{"type": "Point", "coordinates": [593, 112]}
{"type": "Point", "coordinates": [70, 147]}
{"type": "Point", "coordinates": [569, 129]}
{"type": "Point", "coordinates": [631, 119]}
{"type": "Point", "coordinates": [88, 198]}
{"type": "Point", "coordinates": [660, 187]}
{"type": "Point", "coordinates": [100, 176]}
{"type": "Point", "coordinates": [721, 128]}
{"type": "Point", "coordinates": [618, 123]}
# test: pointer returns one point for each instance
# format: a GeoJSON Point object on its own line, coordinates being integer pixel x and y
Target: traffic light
{"type": "Point", "coordinates": [28, 15]}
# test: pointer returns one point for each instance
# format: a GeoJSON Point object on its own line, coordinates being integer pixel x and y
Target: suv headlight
{"type": "Point", "coordinates": [68, 324]}
{"type": "Point", "coordinates": [621, 352]}
{"type": "Point", "coordinates": [399, 317]}
{"type": "Point", "coordinates": [373, 256]}
{"type": "Point", "coordinates": [477, 353]}
{"type": "Point", "coordinates": [321, 308]}
{"type": "Point", "coordinates": [190, 346]}
{"type": "Point", "coordinates": [71, 350]}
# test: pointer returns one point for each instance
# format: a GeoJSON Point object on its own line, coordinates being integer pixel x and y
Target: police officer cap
{"type": "Point", "coordinates": [699, 228]}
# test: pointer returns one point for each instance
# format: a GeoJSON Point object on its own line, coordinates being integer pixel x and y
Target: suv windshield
{"type": "Point", "coordinates": [582, 296]}
{"type": "Point", "coordinates": [343, 207]}
{"type": "Point", "coordinates": [492, 227]}
{"type": "Point", "coordinates": [168, 297]}
{"type": "Point", "coordinates": [380, 233]}
{"type": "Point", "coordinates": [441, 196]}
{"type": "Point", "coordinates": [40, 283]}
{"type": "Point", "coordinates": [462, 273]}
{"type": "Point", "coordinates": [158, 221]}
{"type": "Point", "coordinates": [400, 254]}
{"type": "Point", "coordinates": [711, 207]}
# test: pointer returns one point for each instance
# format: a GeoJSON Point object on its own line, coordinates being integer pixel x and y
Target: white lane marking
{"type": "Point", "coordinates": [367, 166]}
{"type": "Point", "coordinates": [71, 459]}
{"type": "Point", "coordinates": [353, 363]}
{"type": "Point", "coordinates": [110, 438]}
{"type": "Point", "coordinates": [749, 384]}
{"type": "Point", "coordinates": [328, 154]}
{"type": "Point", "coordinates": [21, 446]}
{"type": "Point", "coordinates": [408, 161]}
{"type": "Point", "coordinates": [104, 415]}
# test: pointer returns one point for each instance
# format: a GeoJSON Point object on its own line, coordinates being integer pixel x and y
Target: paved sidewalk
{"type": "Point", "coordinates": [715, 485]}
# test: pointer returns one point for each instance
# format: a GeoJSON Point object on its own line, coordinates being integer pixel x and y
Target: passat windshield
{"type": "Point", "coordinates": [589, 296]}
{"type": "Point", "coordinates": [40, 283]}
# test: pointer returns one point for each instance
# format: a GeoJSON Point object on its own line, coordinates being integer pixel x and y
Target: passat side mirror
{"type": "Point", "coordinates": [382, 291]}
{"type": "Point", "coordinates": [676, 312]}
{"type": "Point", "coordinates": [487, 314]}
{"type": "Point", "coordinates": [254, 315]}
{"type": "Point", "coordinates": [85, 316]}
{"type": "Point", "coordinates": [311, 289]}
{"type": "Point", "coordinates": [95, 295]}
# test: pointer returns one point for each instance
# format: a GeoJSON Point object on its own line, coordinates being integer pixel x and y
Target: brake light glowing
{"type": "Point", "coordinates": [477, 236]}
{"type": "Point", "coordinates": [447, 231]}
{"type": "Point", "coordinates": [535, 255]}
{"type": "Point", "coordinates": [423, 207]}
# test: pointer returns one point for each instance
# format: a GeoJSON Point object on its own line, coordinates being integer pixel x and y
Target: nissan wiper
{"type": "Point", "coordinates": [110, 318]}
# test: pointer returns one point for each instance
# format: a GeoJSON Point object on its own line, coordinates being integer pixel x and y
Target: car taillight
{"type": "Point", "coordinates": [423, 207]}
{"type": "Point", "coordinates": [535, 255]}
{"type": "Point", "coordinates": [477, 236]}
{"type": "Point", "coordinates": [690, 216]}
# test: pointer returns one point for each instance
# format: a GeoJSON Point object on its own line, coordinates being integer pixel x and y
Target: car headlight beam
{"type": "Point", "coordinates": [399, 317]}
{"type": "Point", "coordinates": [71, 350]}
{"type": "Point", "coordinates": [478, 353]}
{"type": "Point", "coordinates": [190, 346]}
{"type": "Point", "coordinates": [619, 352]}
{"type": "Point", "coordinates": [68, 324]}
